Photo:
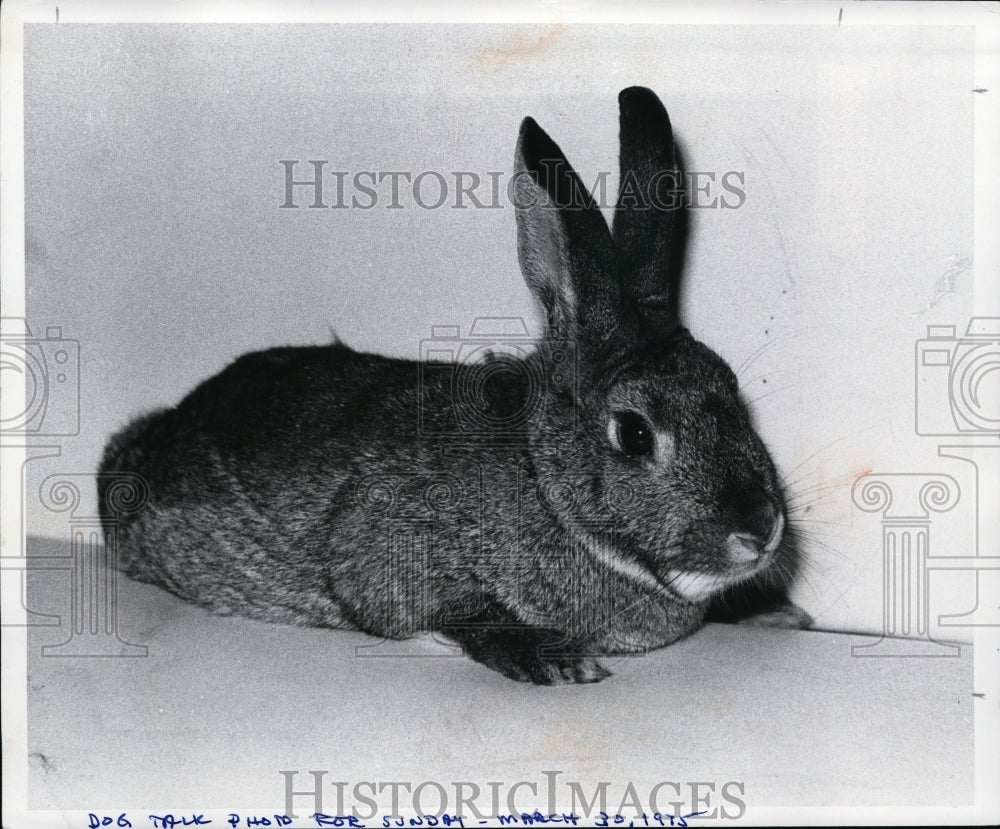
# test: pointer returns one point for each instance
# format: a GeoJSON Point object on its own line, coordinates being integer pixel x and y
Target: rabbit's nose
{"type": "Point", "coordinates": [758, 522]}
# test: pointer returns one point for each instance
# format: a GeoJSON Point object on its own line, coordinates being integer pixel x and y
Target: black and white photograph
{"type": "Point", "coordinates": [550, 413]}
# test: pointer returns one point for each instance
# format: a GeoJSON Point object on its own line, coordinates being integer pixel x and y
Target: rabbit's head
{"type": "Point", "coordinates": [663, 477]}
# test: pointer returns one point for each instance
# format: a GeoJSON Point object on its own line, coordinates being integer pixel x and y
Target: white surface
{"type": "Point", "coordinates": [220, 705]}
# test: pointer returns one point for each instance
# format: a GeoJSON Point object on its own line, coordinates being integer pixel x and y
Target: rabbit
{"type": "Point", "coordinates": [605, 487]}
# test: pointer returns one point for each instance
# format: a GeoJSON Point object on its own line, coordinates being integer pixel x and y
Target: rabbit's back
{"type": "Point", "coordinates": [252, 479]}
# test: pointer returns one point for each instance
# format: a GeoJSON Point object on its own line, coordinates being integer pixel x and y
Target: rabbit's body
{"type": "Point", "coordinates": [612, 487]}
{"type": "Point", "coordinates": [221, 535]}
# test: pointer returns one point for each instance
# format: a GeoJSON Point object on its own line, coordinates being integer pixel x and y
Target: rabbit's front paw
{"type": "Point", "coordinates": [521, 655]}
{"type": "Point", "coordinates": [782, 615]}
{"type": "Point", "coordinates": [758, 608]}
{"type": "Point", "coordinates": [566, 669]}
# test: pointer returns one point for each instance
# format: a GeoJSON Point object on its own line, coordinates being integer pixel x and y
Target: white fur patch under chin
{"type": "Point", "coordinates": [695, 586]}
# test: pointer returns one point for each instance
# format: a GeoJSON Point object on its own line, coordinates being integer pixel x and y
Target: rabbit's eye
{"type": "Point", "coordinates": [633, 434]}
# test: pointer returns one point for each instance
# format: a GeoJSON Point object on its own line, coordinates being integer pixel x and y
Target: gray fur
{"type": "Point", "coordinates": [321, 486]}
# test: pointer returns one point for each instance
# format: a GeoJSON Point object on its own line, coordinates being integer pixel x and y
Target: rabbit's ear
{"type": "Point", "coordinates": [648, 198]}
{"type": "Point", "coordinates": [563, 243]}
